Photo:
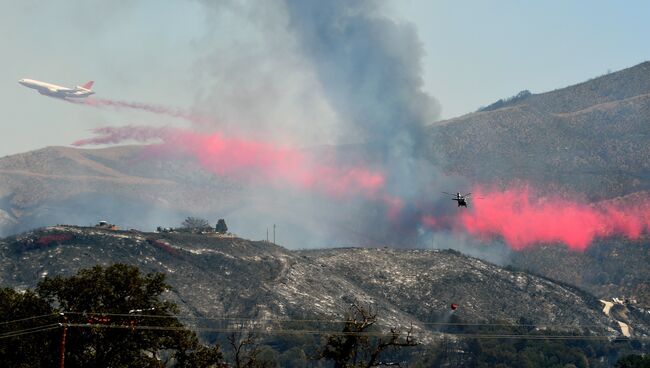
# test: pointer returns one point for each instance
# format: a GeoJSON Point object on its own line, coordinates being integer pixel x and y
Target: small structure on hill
{"type": "Point", "coordinates": [106, 225]}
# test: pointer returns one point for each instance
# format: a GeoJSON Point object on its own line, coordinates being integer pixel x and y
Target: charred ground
{"type": "Point", "coordinates": [215, 276]}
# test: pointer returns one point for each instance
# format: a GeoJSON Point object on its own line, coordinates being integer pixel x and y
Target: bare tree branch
{"type": "Point", "coordinates": [356, 348]}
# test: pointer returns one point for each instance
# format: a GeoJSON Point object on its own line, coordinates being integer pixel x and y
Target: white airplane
{"type": "Point", "coordinates": [58, 91]}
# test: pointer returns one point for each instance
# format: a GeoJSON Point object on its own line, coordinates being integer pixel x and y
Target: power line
{"type": "Point", "coordinates": [28, 318]}
{"type": "Point", "coordinates": [353, 333]}
{"type": "Point", "coordinates": [284, 330]}
{"type": "Point", "coordinates": [29, 331]}
{"type": "Point", "coordinates": [305, 332]}
{"type": "Point", "coordinates": [250, 319]}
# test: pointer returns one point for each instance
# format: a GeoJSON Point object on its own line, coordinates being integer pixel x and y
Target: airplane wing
{"type": "Point", "coordinates": [60, 90]}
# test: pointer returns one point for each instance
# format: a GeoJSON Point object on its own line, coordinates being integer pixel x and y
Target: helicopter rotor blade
{"type": "Point", "coordinates": [453, 195]}
{"type": "Point", "coordinates": [467, 195]}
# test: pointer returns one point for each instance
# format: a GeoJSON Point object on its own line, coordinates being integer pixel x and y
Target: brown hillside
{"type": "Point", "coordinates": [115, 180]}
{"type": "Point", "coordinates": [593, 138]}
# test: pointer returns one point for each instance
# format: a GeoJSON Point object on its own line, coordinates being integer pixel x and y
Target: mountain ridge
{"type": "Point", "coordinates": [214, 276]}
{"type": "Point", "coordinates": [589, 138]}
{"type": "Point", "coordinates": [63, 184]}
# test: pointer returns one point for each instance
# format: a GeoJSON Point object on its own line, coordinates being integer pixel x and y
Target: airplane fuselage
{"type": "Point", "coordinates": [54, 90]}
{"type": "Point", "coordinates": [461, 201]}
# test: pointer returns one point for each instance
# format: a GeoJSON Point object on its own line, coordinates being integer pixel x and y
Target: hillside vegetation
{"type": "Point", "coordinates": [589, 138]}
{"type": "Point", "coordinates": [215, 276]}
{"type": "Point", "coordinates": [609, 268]}
{"type": "Point", "coordinates": [59, 184]}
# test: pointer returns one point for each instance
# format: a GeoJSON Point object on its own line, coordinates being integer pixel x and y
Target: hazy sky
{"type": "Point", "coordinates": [156, 51]}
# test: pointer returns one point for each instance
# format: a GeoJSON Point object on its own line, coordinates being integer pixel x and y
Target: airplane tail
{"type": "Point", "coordinates": [88, 85]}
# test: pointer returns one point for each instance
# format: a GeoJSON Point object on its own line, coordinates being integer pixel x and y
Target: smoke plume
{"type": "Point", "coordinates": [349, 73]}
{"type": "Point", "coordinates": [150, 108]}
{"type": "Point", "coordinates": [370, 69]}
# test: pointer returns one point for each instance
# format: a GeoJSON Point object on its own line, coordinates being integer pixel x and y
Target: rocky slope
{"type": "Point", "coordinates": [214, 276]}
{"type": "Point", "coordinates": [590, 138]}
{"type": "Point", "coordinates": [609, 268]}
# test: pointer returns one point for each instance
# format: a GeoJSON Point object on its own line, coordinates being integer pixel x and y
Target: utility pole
{"type": "Point", "coordinates": [64, 333]}
{"type": "Point", "coordinates": [273, 233]}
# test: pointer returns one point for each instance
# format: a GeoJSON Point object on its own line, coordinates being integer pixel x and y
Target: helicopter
{"type": "Point", "coordinates": [461, 199]}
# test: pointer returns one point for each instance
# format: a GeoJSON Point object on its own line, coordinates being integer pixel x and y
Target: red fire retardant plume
{"type": "Point", "coordinates": [249, 159]}
{"type": "Point", "coordinates": [523, 219]}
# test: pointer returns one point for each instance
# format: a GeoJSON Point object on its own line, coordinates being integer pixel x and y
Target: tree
{"type": "Point", "coordinates": [196, 224]}
{"type": "Point", "coordinates": [634, 361]}
{"type": "Point", "coordinates": [203, 357]}
{"type": "Point", "coordinates": [359, 344]}
{"type": "Point", "coordinates": [116, 319]}
{"type": "Point", "coordinates": [221, 227]}
{"type": "Point", "coordinates": [245, 349]}
{"type": "Point", "coordinates": [26, 341]}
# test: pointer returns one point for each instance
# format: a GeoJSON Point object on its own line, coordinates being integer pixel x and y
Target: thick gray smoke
{"type": "Point", "coordinates": [371, 73]}
{"type": "Point", "coordinates": [370, 70]}
{"type": "Point", "coordinates": [343, 81]}
{"type": "Point", "coordinates": [255, 81]}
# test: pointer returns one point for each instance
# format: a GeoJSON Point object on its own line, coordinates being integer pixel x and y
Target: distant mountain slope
{"type": "Point", "coordinates": [617, 86]}
{"type": "Point", "coordinates": [59, 184]}
{"type": "Point", "coordinates": [422, 282]}
{"type": "Point", "coordinates": [609, 268]}
{"type": "Point", "coordinates": [593, 137]}
{"type": "Point", "coordinates": [215, 277]}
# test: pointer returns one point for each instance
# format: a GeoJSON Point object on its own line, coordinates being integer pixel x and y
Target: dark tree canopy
{"type": "Point", "coordinates": [196, 224]}
{"type": "Point", "coordinates": [634, 361]}
{"type": "Point", "coordinates": [115, 289]}
{"type": "Point", "coordinates": [32, 349]}
{"type": "Point", "coordinates": [105, 309]}
{"type": "Point", "coordinates": [221, 227]}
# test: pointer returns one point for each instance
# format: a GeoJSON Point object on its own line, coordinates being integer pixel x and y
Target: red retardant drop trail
{"type": "Point", "coordinates": [249, 160]}
{"type": "Point", "coordinates": [524, 219]}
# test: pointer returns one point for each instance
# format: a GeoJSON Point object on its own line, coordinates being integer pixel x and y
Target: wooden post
{"type": "Point", "coordinates": [64, 333]}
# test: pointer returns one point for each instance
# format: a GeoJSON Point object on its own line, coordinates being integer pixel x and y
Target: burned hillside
{"type": "Point", "coordinates": [215, 276]}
